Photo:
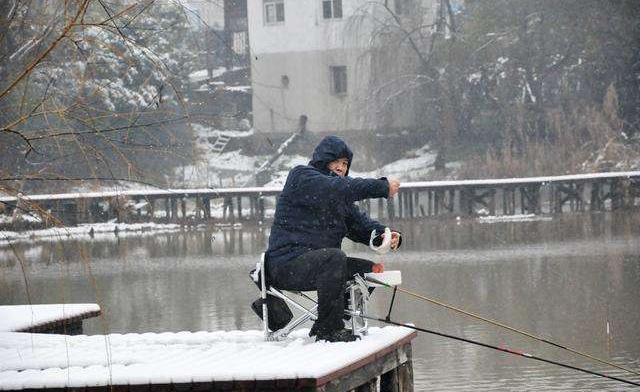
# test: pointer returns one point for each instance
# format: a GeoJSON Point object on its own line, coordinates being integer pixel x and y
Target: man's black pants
{"type": "Point", "coordinates": [326, 270]}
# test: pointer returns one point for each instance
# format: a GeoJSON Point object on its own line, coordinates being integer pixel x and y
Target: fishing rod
{"type": "Point", "coordinates": [503, 349]}
{"type": "Point", "coordinates": [501, 325]}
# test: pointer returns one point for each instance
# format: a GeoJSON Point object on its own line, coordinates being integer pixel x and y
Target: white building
{"type": "Point", "coordinates": [324, 59]}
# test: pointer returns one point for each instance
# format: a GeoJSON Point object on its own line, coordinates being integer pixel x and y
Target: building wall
{"type": "Point", "coordinates": [277, 106]}
{"type": "Point", "coordinates": [290, 68]}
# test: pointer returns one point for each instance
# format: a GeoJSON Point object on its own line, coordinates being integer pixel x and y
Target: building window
{"type": "Point", "coordinates": [338, 79]}
{"type": "Point", "coordinates": [273, 11]}
{"type": "Point", "coordinates": [332, 9]}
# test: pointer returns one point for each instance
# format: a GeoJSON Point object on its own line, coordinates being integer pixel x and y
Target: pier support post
{"type": "Point", "coordinates": [261, 208]}
{"type": "Point", "coordinates": [617, 194]}
{"type": "Point", "coordinates": [206, 204]}
{"type": "Point", "coordinates": [151, 211]}
{"type": "Point", "coordinates": [199, 209]}
{"type": "Point", "coordinates": [368, 387]}
{"type": "Point", "coordinates": [399, 379]}
{"type": "Point", "coordinates": [183, 208]}
{"type": "Point", "coordinates": [390, 210]}
{"type": "Point", "coordinates": [174, 208]}
{"type": "Point", "coordinates": [530, 199]}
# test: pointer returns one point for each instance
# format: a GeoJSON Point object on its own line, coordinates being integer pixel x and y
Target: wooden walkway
{"type": "Point", "coordinates": [50, 318]}
{"type": "Point", "coordinates": [533, 195]}
{"type": "Point", "coordinates": [206, 361]}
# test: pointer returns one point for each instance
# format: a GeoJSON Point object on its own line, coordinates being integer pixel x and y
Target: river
{"type": "Point", "coordinates": [573, 279]}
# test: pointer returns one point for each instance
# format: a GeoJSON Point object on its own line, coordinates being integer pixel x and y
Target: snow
{"type": "Point", "coordinates": [520, 180]}
{"type": "Point", "coordinates": [513, 218]}
{"type": "Point", "coordinates": [208, 132]}
{"type": "Point", "coordinates": [234, 160]}
{"type": "Point", "coordinates": [418, 164]}
{"type": "Point", "coordinates": [201, 75]}
{"type": "Point", "coordinates": [84, 230]}
{"type": "Point", "coordinates": [56, 361]}
{"type": "Point", "coordinates": [242, 89]}
{"type": "Point", "coordinates": [21, 317]}
{"type": "Point", "coordinates": [157, 192]}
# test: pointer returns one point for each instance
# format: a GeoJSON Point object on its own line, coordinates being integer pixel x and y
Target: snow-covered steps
{"type": "Point", "coordinates": [234, 360]}
{"type": "Point", "coordinates": [59, 318]}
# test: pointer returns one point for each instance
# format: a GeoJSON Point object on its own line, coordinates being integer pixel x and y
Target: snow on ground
{"type": "Point", "coordinates": [116, 186]}
{"type": "Point", "coordinates": [283, 165]}
{"type": "Point", "coordinates": [232, 168]}
{"type": "Point", "coordinates": [227, 169]}
{"type": "Point", "coordinates": [20, 317]}
{"type": "Point", "coordinates": [203, 132]}
{"type": "Point", "coordinates": [513, 218]}
{"type": "Point", "coordinates": [57, 361]}
{"type": "Point", "coordinates": [202, 75]}
{"type": "Point", "coordinates": [242, 89]}
{"type": "Point", "coordinates": [417, 165]}
{"type": "Point", "coordinates": [85, 231]}
{"type": "Point", "coordinates": [233, 160]}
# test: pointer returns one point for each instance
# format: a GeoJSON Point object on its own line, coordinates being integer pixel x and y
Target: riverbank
{"type": "Point", "coordinates": [89, 230]}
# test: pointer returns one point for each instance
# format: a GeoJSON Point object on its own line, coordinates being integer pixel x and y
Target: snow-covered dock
{"type": "Point", "coordinates": [52, 318]}
{"type": "Point", "coordinates": [235, 360]}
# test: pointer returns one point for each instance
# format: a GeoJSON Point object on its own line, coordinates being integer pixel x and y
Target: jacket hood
{"type": "Point", "coordinates": [329, 149]}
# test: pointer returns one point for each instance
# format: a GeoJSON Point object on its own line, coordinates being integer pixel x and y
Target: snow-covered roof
{"type": "Point", "coordinates": [58, 361]}
{"type": "Point", "coordinates": [24, 317]}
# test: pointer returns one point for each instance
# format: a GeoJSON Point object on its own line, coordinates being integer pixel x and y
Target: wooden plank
{"type": "Point", "coordinates": [387, 359]}
{"type": "Point", "coordinates": [68, 326]}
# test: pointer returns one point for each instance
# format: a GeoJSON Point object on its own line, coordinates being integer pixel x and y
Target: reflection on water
{"type": "Point", "coordinates": [563, 279]}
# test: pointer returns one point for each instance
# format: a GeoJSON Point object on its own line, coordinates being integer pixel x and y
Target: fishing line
{"type": "Point", "coordinates": [503, 349]}
{"type": "Point", "coordinates": [499, 324]}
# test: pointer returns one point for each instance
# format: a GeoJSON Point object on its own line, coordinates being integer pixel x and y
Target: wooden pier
{"type": "Point", "coordinates": [47, 318]}
{"type": "Point", "coordinates": [533, 195]}
{"type": "Point", "coordinates": [206, 361]}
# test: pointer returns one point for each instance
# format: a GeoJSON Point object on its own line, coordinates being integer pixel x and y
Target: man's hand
{"type": "Point", "coordinates": [395, 240]}
{"type": "Point", "coordinates": [394, 185]}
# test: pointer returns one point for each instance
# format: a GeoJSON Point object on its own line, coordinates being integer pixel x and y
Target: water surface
{"type": "Point", "coordinates": [564, 279]}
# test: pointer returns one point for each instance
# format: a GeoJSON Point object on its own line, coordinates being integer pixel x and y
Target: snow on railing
{"type": "Point", "coordinates": [221, 192]}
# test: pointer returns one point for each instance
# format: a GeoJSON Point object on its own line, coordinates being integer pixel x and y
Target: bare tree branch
{"type": "Point", "coordinates": [81, 10]}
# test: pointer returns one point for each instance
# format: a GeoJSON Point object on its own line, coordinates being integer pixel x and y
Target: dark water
{"type": "Point", "coordinates": [563, 279]}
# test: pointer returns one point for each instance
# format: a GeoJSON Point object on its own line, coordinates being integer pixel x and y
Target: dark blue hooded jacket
{"type": "Point", "coordinates": [316, 207]}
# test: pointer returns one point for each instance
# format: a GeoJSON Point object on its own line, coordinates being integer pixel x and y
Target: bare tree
{"type": "Point", "coordinates": [91, 90]}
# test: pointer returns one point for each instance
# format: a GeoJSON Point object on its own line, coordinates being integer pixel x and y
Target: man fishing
{"type": "Point", "coordinates": [314, 212]}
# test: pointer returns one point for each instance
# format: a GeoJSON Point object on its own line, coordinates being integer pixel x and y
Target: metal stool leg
{"type": "Point", "coordinates": [263, 295]}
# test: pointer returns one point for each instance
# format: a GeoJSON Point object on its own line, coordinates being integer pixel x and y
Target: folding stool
{"type": "Point", "coordinates": [358, 289]}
